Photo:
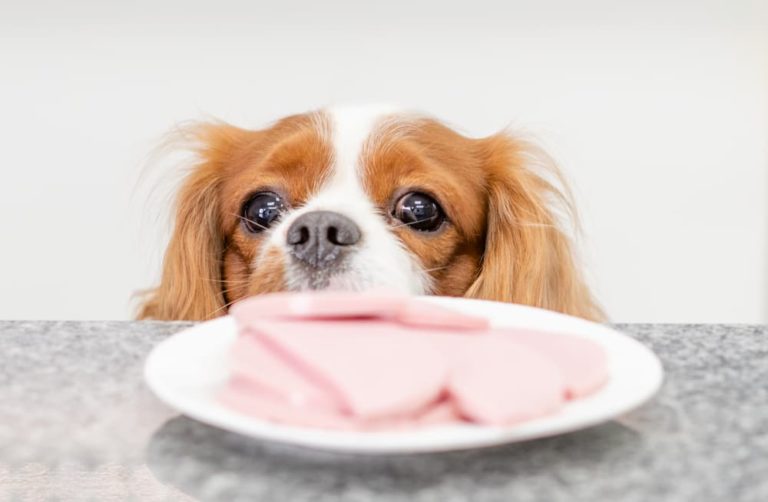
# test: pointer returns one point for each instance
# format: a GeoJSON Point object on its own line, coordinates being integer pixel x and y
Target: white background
{"type": "Point", "coordinates": [657, 111]}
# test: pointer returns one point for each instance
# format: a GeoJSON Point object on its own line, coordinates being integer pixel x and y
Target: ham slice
{"type": "Point", "coordinates": [372, 361]}
{"type": "Point", "coordinates": [242, 396]}
{"type": "Point", "coordinates": [498, 382]}
{"type": "Point", "coordinates": [346, 305]}
{"type": "Point", "coordinates": [320, 305]}
{"type": "Point", "coordinates": [247, 397]}
{"type": "Point", "coordinates": [423, 314]}
{"type": "Point", "coordinates": [583, 363]}
{"type": "Point", "coordinates": [371, 367]}
{"type": "Point", "coordinates": [276, 378]}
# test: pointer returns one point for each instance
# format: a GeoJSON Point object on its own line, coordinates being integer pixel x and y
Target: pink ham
{"type": "Point", "coordinates": [246, 397]}
{"type": "Point", "coordinates": [344, 305]}
{"type": "Point", "coordinates": [254, 363]}
{"type": "Point", "coordinates": [369, 361]}
{"type": "Point", "coordinates": [371, 367]}
{"type": "Point", "coordinates": [582, 362]}
{"type": "Point", "coordinates": [320, 305]}
{"type": "Point", "coordinates": [428, 315]}
{"type": "Point", "coordinates": [241, 396]}
{"type": "Point", "coordinates": [498, 382]}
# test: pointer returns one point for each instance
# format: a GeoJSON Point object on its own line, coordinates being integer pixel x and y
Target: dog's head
{"type": "Point", "coordinates": [365, 198]}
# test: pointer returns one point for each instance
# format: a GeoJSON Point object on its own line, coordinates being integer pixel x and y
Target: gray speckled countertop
{"type": "Point", "coordinates": [77, 423]}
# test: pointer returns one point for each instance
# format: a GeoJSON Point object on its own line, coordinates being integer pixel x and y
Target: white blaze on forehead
{"type": "Point", "coordinates": [353, 127]}
{"type": "Point", "coordinates": [379, 259]}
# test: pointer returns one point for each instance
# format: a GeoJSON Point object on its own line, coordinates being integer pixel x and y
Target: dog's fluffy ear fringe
{"type": "Point", "coordinates": [190, 287]}
{"type": "Point", "coordinates": [529, 256]}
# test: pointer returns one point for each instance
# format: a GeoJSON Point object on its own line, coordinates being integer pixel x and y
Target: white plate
{"type": "Point", "coordinates": [188, 369]}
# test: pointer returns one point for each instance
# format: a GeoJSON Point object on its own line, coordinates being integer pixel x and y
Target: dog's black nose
{"type": "Point", "coordinates": [319, 237]}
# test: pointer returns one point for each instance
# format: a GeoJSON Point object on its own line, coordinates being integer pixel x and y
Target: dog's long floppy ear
{"type": "Point", "coordinates": [190, 287]}
{"type": "Point", "coordinates": [528, 258]}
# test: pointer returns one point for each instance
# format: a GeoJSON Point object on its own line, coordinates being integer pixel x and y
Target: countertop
{"type": "Point", "coordinates": [77, 423]}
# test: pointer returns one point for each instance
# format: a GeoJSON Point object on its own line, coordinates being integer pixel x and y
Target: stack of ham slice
{"type": "Point", "coordinates": [373, 361]}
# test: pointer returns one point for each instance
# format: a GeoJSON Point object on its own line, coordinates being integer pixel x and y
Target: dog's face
{"type": "Point", "coordinates": [364, 198]}
{"type": "Point", "coordinates": [354, 199]}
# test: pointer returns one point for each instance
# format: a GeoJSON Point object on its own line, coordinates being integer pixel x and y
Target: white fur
{"type": "Point", "coordinates": [379, 260]}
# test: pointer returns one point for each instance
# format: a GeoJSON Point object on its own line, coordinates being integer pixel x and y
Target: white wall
{"type": "Point", "coordinates": [658, 112]}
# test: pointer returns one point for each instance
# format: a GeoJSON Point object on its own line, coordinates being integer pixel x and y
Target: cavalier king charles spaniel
{"type": "Point", "coordinates": [362, 198]}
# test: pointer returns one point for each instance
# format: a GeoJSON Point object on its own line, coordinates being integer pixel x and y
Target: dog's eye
{"type": "Point", "coordinates": [419, 212]}
{"type": "Point", "coordinates": [261, 210]}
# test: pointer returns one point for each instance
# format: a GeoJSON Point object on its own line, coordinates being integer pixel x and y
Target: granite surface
{"type": "Point", "coordinates": [77, 423]}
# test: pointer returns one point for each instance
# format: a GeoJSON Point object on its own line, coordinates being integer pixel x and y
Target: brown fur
{"type": "Point", "coordinates": [528, 258]}
{"type": "Point", "coordinates": [206, 262]}
{"type": "Point", "coordinates": [503, 241]}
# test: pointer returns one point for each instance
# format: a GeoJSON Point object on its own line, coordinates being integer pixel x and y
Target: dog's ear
{"type": "Point", "coordinates": [528, 258]}
{"type": "Point", "coordinates": [191, 283]}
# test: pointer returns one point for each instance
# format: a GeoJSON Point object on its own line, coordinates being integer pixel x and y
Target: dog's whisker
{"type": "Point", "coordinates": [223, 281]}
{"type": "Point", "coordinates": [435, 269]}
{"type": "Point", "coordinates": [542, 225]}
{"type": "Point", "coordinates": [225, 306]}
{"type": "Point", "coordinates": [250, 221]}
{"type": "Point", "coordinates": [405, 224]}
{"type": "Point", "coordinates": [225, 291]}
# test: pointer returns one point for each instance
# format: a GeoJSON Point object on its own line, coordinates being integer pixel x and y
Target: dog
{"type": "Point", "coordinates": [360, 198]}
